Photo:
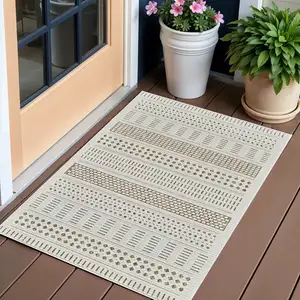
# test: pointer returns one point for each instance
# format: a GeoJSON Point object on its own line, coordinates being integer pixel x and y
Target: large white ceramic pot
{"type": "Point", "coordinates": [261, 102]}
{"type": "Point", "coordinates": [188, 57]}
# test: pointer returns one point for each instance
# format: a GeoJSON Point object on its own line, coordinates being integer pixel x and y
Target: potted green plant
{"type": "Point", "coordinates": [189, 34]}
{"type": "Point", "coordinates": [266, 48]}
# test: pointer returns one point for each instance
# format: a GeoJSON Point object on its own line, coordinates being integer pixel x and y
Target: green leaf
{"type": "Point", "coordinates": [236, 22]}
{"type": "Point", "coordinates": [271, 27]}
{"type": "Point", "coordinates": [285, 78]}
{"type": "Point", "coordinates": [245, 61]}
{"type": "Point", "coordinates": [263, 24]}
{"type": "Point", "coordinates": [282, 39]}
{"type": "Point", "coordinates": [291, 51]}
{"type": "Point", "coordinates": [286, 56]}
{"type": "Point", "coordinates": [227, 37]}
{"type": "Point", "coordinates": [270, 40]}
{"type": "Point", "coordinates": [258, 13]}
{"type": "Point", "coordinates": [272, 33]}
{"type": "Point", "coordinates": [255, 41]}
{"type": "Point", "coordinates": [277, 84]}
{"type": "Point", "coordinates": [291, 63]}
{"type": "Point", "coordinates": [245, 71]}
{"type": "Point", "coordinates": [274, 59]}
{"type": "Point", "coordinates": [250, 30]}
{"type": "Point", "coordinates": [281, 26]}
{"type": "Point", "coordinates": [294, 24]}
{"type": "Point", "coordinates": [297, 47]}
{"type": "Point", "coordinates": [254, 69]}
{"type": "Point", "coordinates": [278, 44]}
{"type": "Point", "coordinates": [286, 50]}
{"type": "Point", "coordinates": [248, 48]}
{"type": "Point", "coordinates": [297, 60]}
{"type": "Point", "coordinates": [275, 8]}
{"type": "Point", "coordinates": [278, 51]}
{"type": "Point", "coordinates": [297, 77]}
{"type": "Point", "coordinates": [263, 58]}
{"type": "Point", "coordinates": [254, 61]}
{"type": "Point", "coordinates": [276, 69]}
{"type": "Point", "coordinates": [234, 58]}
{"type": "Point", "coordinates": [233, 68]}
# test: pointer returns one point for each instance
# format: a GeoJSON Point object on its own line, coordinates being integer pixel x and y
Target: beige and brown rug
{"type": "Point", "coordinates": [152, 199]}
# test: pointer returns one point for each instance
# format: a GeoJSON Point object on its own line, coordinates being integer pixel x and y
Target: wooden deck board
{"type": "Point", "coordinates": [288, 127]}
{"type": "Point", "coordinates": [41, 280]}
{"type": "Point", "coordinates": [82, 285]}
{"type": "Point", "coordinates": [214, 87]}
{"type": "Point", "coordinates": [237, 263]}
{"type": "Point", "coordinates": [228, 101]}
{"type": "Point", "coordinates": [240, 114]}
{"type": "Point", "coordinates": [276, 276]}
{"type": "Point", "coordinates": [15, 259]}
{"type": "Point", "coordinates": [120, 293]}
{"type": "Point", "coordinates": [2, 240]}
{"type": "Point", "coordinates": [296, 292]}
{"type": "Point", "coordinates": [161, 89]}
{"type": "Point", "coordinates": [242, 254]}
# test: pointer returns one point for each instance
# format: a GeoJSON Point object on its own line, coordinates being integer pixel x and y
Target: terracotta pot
{"type": "Point", "coordinates": [261, 102]}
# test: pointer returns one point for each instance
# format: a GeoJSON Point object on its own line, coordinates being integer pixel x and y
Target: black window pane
{"type": "Point", "coordinates": [29, 16]}
{"type": "Point", "coordinates": [31, 69]}
{"type": "Point", "coordinates": [59, 7]}
{"type": "Point", "coordinates": [93, 26]}
{"type": "Point", "coordinates": [63, 46]}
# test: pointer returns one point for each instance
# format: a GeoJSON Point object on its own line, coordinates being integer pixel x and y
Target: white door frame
{"type": "Point", "coordinates": [245, 10]}
{"type": "Point", "coordinates": [7, 185]}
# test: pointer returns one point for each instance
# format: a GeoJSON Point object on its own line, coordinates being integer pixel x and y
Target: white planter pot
{"type": "Point", "coordinates": [188, 57]}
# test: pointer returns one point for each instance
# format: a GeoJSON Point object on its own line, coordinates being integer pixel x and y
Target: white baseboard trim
{"type": "Point", "coordinates": [66, 142]}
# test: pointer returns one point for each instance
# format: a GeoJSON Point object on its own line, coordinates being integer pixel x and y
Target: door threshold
{"type": "Point", "coordinates": [30, 174]}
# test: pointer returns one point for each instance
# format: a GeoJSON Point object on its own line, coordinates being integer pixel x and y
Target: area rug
{"type": "Point", "coordinates": [152, 199]}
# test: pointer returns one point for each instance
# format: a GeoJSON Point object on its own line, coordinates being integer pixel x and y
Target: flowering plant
{"type": "Point", "coordinates": [186, 15]}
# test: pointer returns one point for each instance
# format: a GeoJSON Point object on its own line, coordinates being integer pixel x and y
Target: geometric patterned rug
{"type": "Point", "coordinates": [151, 200]}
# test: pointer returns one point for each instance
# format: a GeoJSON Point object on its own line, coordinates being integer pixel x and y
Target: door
{"type": "Point", "coordinates": [64, 57]}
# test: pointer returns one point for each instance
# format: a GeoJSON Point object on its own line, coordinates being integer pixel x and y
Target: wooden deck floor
{"type": "Point", "coordinates": [260, 262]}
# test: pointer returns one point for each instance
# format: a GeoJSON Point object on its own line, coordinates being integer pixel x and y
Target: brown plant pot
{"type": "Point", "coordinates": [261, 102]}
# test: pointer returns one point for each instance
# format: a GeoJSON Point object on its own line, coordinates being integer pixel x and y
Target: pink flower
{"type": "Point", "coordinates": [151, 8]}
{"type": "Point", "coordinates": [198, 7]}
{"type": "Point", "coordinates": [179, 2]}
{"type": "Point", "coordinates": [219, 17]}
{"type": "Point", "coordinates": [176, 10]}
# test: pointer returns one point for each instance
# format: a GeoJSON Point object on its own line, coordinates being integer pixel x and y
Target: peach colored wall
{"type": "Point", "coordinates": [35, 128]}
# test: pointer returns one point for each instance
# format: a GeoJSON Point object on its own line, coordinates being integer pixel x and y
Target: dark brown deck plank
{"type": "Point", "coordinates": [214, 87]}
{"type": "Point", "coordinates": [2, 239]}
{"type": "Point", "coordinates": [242, 254]}
{"type": "Point", "coordinates": [120, 293]}
{"type": "Point", "coordinates": [14, 260]}
{"type": "Point", "coordinates": [82, 285]}
{"type": "Point", "coordinates": [288, 127]}
{"type": "Point", "coordinates": [240, 114]}
{"type": "Point", "coordinates": [151, 79]}
{"type": "Point", "coordinates": [296, 292]}
{"type": "Point", "coordinates": [161, 89]}
{"type": "Point", "coordinates": [276, 276]}
{"type": "Point", "coordinates": [236, 262]}
{"type": "Point", "coordinates": [40, 281]}
{"type": "Point", "coordinates": [227, 101]}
